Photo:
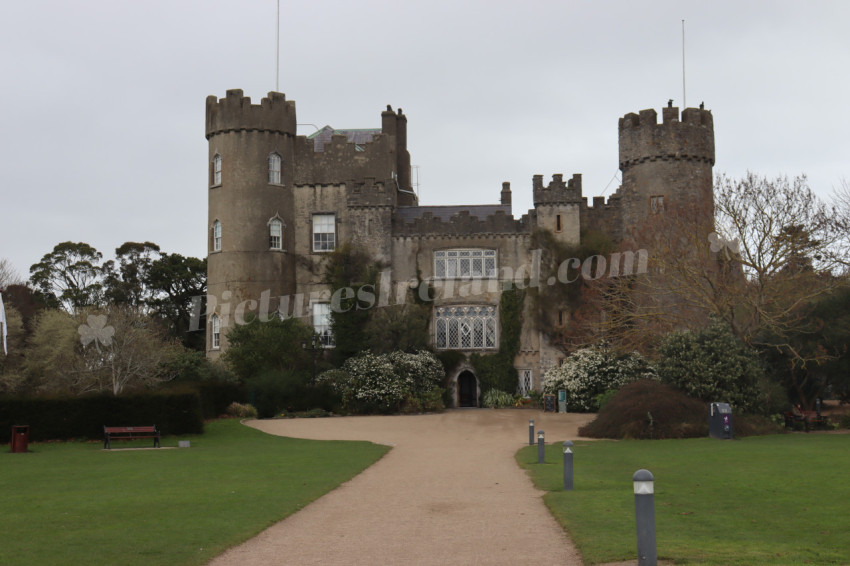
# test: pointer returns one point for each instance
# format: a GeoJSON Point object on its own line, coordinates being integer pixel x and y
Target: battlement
{"type": "Point", "coordinates": [455, 221]}
{"type": "Point", "coordinates": [369, 193]}
{"type": "Point", "coordinates": [690, 138]}
{"type": "Point", "coordinates": [557, 192]}
{"type": "Point", "coordinates": [235, 112]}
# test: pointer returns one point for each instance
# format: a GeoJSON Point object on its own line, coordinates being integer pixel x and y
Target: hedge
{"type": "Point", "coordinates": [85, 417]}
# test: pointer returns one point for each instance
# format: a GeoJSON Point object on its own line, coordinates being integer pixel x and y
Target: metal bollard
{"type": "Point", "coordinates": [531, 432]}
{"type": "Point", "coordinates": [644, 485]}
{"type": "Point", "coordinates": [541, 448]}
{"type": "Point", "coordinates": [568, 466]}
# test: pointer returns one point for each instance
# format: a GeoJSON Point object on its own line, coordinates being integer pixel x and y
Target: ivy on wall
{"type": "Point", "coordinates": [497, 371]}
{"type": "Point", "coordinates": [549, 300]}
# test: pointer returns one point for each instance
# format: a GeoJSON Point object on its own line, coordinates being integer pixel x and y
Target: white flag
{"type": "Point", "coordinates": [3, 323]}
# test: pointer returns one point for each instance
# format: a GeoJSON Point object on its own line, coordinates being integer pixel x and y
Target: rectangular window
{"type": "Point", "coordinates": [656, 204]}
{"type": "Point", "coordinates": [464, 264]}
{"type": "Point", "coordinates": [558, 225]}
{"type": "Point", "coordinates": [215, 324]}
{"type": "Point", "coordinates": [525, 382]}
{"type": "Point", "coordinates": [322, 323]}
{"type": "Point", "coordinates": [217, 236]}
{"type": "Point", "coordinates": [324, 232]}
{"type": "Point", "coordinates": [275, 234]}
{"type": "Point", "coordinates": [216, 173]}
{"type": "Point", "coordinates": [274, 168]}
{"type": "Point", "coordinates": [465, 327]}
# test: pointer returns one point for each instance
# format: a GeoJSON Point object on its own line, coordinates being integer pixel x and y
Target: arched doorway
{"type": "Point", "coordinates": [467, 389]}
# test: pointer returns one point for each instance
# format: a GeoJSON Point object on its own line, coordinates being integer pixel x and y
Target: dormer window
{"type": "Point", "coordinates": [275, 162]}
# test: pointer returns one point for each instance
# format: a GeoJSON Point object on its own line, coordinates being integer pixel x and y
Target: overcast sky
{"type": "Point", "coordinates": [102, 120]}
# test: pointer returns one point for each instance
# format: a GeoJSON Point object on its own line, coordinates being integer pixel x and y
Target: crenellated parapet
{"type": "Point", "coordinates": [370, 194]}
{"type": "Point", "coordinates": [643, 139]}
{"type": "Point", "coordinates": [235, 112]}
{"type": "Point", "coordinates": [453, 221]}
{"type": "Point", "coordinates": [557, 191]}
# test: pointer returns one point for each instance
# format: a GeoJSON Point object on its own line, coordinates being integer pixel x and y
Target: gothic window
{"type": "Point", "coordinates": [466, 264]}
{"type": "Point", "coordinates": [656, 204]}
{"type": "Point", "coordinates": [216, 236]}
{"type": "Point", "coordinates": [322, 323]}
{"type": "Point", "coordinates": [216, 170]}
{"type": "Point", "coordinates": [274, 168]}
{"type": "Point", "coordinates": [215, 332]}
{"type": "Point", "coordinates": [465, 327]}
{"type": "Point", "coordinates": [275, 234]}
{"type": "Point", "coordinates": [525, 382]}
{"type": "Point", "coordinates": [324, 232]}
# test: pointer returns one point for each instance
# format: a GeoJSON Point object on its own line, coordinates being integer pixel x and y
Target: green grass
{"type": "Point", "coordinates": [762, 500]}
{"type": "Point", "coordinates": [74, 503]}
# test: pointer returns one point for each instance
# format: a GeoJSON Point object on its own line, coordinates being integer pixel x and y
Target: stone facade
{"type": "Point", "coordinates": [278, 202]}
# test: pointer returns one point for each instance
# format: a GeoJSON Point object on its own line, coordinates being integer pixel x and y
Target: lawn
{"type": "Point", "coordinates": [74, 503]}
{"type": "Point", "coordinates": [774, 500]}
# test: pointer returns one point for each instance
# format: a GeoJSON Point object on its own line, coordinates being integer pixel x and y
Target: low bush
{"type": "Point", "coordinates": [496, 399]}
{"type": "Point", "coordinates": [649, 409]}
{"type": "Point", "coordinates": [242, 411]}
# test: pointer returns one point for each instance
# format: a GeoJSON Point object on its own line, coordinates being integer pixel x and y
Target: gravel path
{"type": "Point", "coordinates": [449, 492]}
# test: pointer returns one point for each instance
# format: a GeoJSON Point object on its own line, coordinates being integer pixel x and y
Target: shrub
{"type": "Point", "coordinates": [496, 399]}
{"type": "Point", "coordinates": [242, 410]}
{"type": "Point", "coordinates": [649, 409]}
{"type": "Point", "coordinates": [590, 372]}
{"type": "Point", "coordinates": [713, 365]}
{"type": "Point", "coordinates": [274, 391]}
{"type": "Point", "coordinates": [85, 417]}
{"type": "Point", "coordinates": [371, 383]}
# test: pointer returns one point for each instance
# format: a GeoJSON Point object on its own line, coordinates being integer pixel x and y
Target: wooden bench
{"type": "Point", "coordinates": [809, 419]}
{"type": "Point", "coordinates": [129, 433]}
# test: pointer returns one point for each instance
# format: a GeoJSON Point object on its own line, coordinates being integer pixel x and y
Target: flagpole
{"type": "Point", "coordinates": [277, 52]}
{"type": "Point", "coordinates": [684, 96]}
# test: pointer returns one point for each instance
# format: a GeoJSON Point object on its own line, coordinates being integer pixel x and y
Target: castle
{"type": "Point", "coordinates": [279, 202]}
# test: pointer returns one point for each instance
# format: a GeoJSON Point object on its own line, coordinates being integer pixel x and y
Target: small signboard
{"type": "Point", "coordinates": [548, 403]}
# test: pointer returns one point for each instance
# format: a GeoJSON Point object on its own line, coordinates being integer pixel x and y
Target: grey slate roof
{"type": "Point", "coordinates": [355, 136]}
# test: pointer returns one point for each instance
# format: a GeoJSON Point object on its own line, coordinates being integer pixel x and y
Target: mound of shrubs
{"type": "Point", "coordinates": [649, 409]}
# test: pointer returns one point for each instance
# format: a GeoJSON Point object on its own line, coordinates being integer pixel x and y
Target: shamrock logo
{"type": "Point", "coordinates": [96, 331]}
{"type": "Point", "coordinates": [719, 243]}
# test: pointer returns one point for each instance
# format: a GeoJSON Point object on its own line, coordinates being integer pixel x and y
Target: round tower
{"type": "Point", "coordinates": [667, 167]}
{"type": "Point", "coordinates": [250, 224]}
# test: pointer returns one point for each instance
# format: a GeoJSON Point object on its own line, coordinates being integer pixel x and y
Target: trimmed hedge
{"type": "Point", "coordinates": [84, 417]}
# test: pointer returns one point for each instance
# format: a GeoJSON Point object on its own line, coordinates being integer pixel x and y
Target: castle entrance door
{"type": "Point", "coordinates": [467, 387]}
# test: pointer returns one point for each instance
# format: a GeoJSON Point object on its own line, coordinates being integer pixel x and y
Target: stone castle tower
{"type": "Point", "coordinates": [665, 165]}
{"type": "Point", "coordinates": [279, 202]}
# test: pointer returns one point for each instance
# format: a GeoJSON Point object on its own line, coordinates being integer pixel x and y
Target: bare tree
{"type": "Point", "coordinates": [773, 254]}
{"type": "Point", "coordinates": [114, 349]}
{"type": "Point", "coordinates": [8, 275]}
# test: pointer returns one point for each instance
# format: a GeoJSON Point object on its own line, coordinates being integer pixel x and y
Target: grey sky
{"type": "Point", "coordinates": [102, 127]}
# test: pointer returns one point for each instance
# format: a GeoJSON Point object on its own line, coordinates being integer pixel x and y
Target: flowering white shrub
{"type": "Point", "coordinates": [590, 372]}
{"type": "Point", "coordinates": [381, 383]}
